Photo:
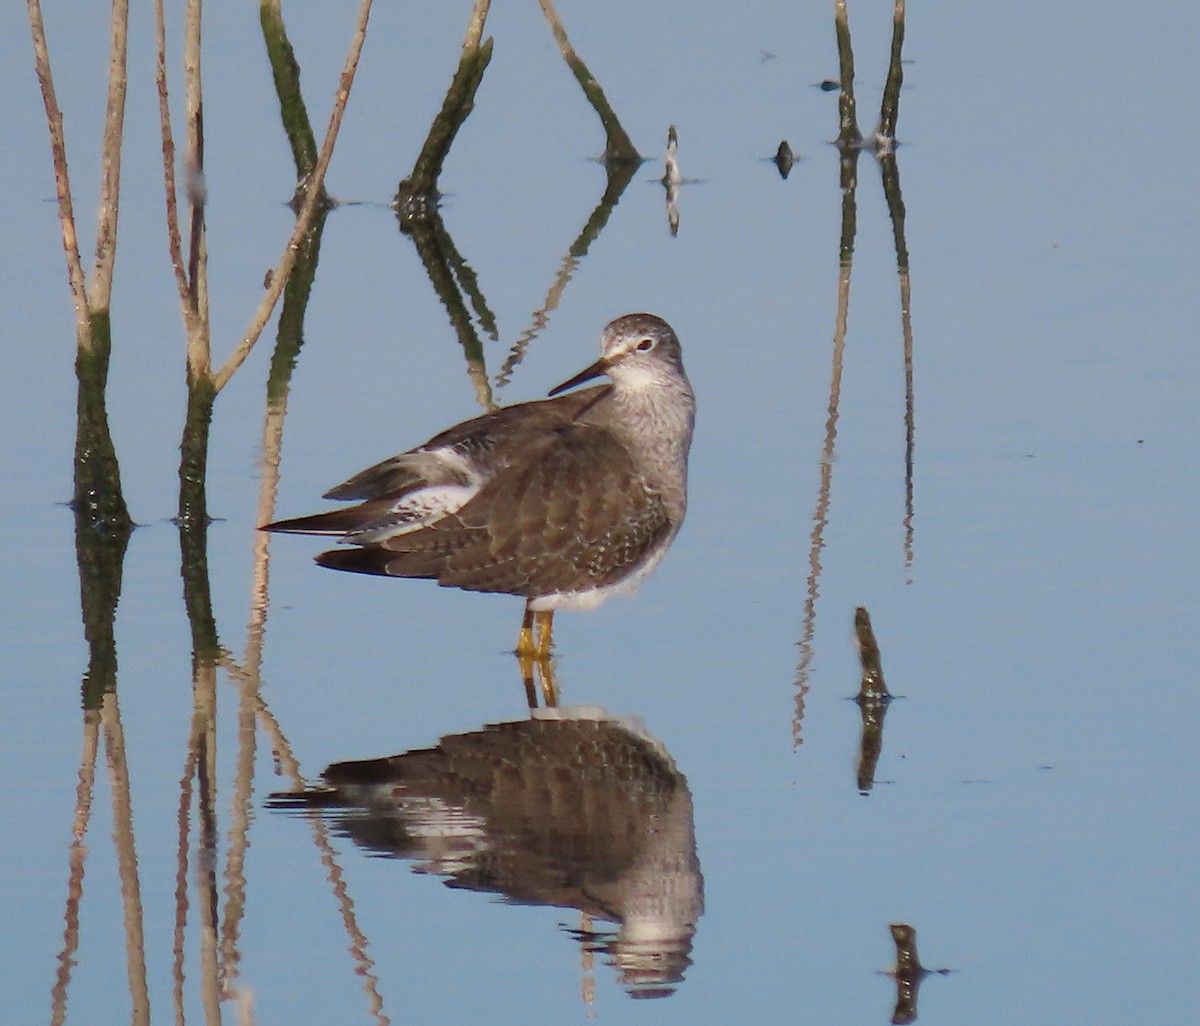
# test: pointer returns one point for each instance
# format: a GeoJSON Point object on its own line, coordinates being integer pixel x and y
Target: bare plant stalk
{"type": "Point", "coordinates": [131, 892]}
{"type": "Point", "coordinates": [174, 244]}
{"type": "Point", "coordinates": [239, 836]}
{"type": "Point", "coordinates": [199, 343]}
{"type": "Point", "coordinates": [190, 278]}
{"type": "Point", "coordinates": [100, 293]}
{"type": "Point", "coordinates": [848, 131]}
{"type": "Point", "coordinates": [289, 766]}
{"type": "Point", "coordinates": [62, 182]}
{"type": "Point", "coordinates": [97, 475]}
{"type": "Point", "coordinates": [474, 35]}
{"type": "Point", "coordinates": [78, 856]}
{"type": "Point", "coordinates": [889, 110]}
{"type": "Point", "coordinates": [203, 741]}
{"type": "Point", "coordinates": [308, 210]}
{"type": "Point", "coordinates": [820, 515]}
{"type": "Point", "coordinates": [181, 888]}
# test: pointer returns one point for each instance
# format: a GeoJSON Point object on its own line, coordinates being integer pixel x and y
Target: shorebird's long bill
{"type": "Point", "coordinates": [594, 371]}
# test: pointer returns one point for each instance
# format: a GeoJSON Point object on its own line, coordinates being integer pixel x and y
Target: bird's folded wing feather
{"type": "Point", "coordinates": [444, 459]}
{"type": "Point", "coordinates": [576, 515]}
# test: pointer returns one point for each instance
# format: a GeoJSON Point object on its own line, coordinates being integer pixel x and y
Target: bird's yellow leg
{"type": "Point", "coordinates": [525, 647]}
{"type": "Point", "coordinates": [545, 625]}
{"type": "Point", "coordinates": [533, 656]}
{"type": "Point", "coordinates": [526, 666]}
{"type": "Point", "coordinates": [526, 654]}
{"type": "Point", "coordinates": [549, 684]}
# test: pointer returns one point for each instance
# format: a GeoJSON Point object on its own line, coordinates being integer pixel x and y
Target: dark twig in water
{"type": "Point", "coordinates": [908, 973]}
{"type": "Point", "coordinates": [873, 698]}
{"type": "Point", "coordinates": [872, 685]}
{"type": "Point", "coordinates": [784, 159]}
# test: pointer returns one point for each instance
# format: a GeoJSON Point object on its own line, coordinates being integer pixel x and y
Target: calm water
{"type": "Point", "coordinates": [1033, 807]}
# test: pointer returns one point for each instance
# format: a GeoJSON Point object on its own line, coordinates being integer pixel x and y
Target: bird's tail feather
{"type": "Point", "coordinates": [371, 559]}
{"type": "Point", "coordinates": [333, 522]}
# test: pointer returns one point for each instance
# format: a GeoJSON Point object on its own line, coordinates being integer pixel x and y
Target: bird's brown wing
{"type": "Point", "coordinates": [479, 447]}
{"type": "Point", "coordinates": [575, 516]}
{"type": "Point", "coordinates": [485, 439]}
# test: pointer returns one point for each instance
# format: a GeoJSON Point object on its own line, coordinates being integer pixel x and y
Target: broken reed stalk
{"type": "Point", "coordinates": [419, 190]}
{"type": "Point", "coordinates": [848, 131]}
{"type": "Point", "coordinates": [889, 111]}
{"type": "Point", "coordinates": [619, 147]}
{"type": "Point", "coordinates": [294, 115]}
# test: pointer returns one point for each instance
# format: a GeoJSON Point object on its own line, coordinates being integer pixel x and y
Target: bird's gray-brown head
{"type": "Point", "coordinates": [638, 351]}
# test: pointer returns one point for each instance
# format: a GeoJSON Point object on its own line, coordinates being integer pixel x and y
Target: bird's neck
{"type": "Point", "coordinates": [658, 422]}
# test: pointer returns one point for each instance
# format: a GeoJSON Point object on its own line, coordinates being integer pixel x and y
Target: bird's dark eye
{"type": "Point", "coordinates": [645, 345]}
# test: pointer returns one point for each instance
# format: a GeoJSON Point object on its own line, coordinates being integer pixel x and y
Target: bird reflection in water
{"type": "Point", "coordinates": [570, 808]}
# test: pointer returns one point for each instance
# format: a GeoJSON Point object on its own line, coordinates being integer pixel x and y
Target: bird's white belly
{"type": "Point", "coordinates": [592, 597]}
